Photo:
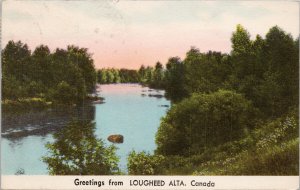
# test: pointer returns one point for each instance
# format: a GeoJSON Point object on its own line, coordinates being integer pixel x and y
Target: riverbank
{"type": "Point", "coordinates": [25, 104]}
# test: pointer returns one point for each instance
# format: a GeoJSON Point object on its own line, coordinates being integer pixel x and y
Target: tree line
{"type": "Point", "coordinates": [151, 76]}
{"type": "Point", "coordinates": [112, 75]}
{"type": "Point", "coordinates": [64, 76]}
{"type": "Point", "coordinates": [263, 70]}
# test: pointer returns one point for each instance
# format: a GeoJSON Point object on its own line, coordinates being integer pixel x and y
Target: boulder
{"type": "Point", "coordinates": [116, 138]}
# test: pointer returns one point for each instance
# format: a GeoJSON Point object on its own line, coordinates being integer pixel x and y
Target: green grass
{"type": "Point", "coordinates": [25, 104]}
{"type": "Point", "coordinates": [270, 149]}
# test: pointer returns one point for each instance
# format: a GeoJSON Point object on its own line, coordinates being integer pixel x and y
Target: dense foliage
{"type": "Point", "coordinates": [64, 76]}
{"type": "Point", "coordinates": [204, 121]}
{"type": "Point", "coordinates": [272, 148]}
{"type": "Point", "coordinates": [76, 151]}
{"type": "Point", "coordinates": [233, 114]}
{"type": "Point", "coordinates": [153, 77]}
{"type": "Point", "coordinates": [144, 164]}
{"type": "Point", "coordinates": [108, 76]}
{"type": "Point", "coordinates": [264, 70]}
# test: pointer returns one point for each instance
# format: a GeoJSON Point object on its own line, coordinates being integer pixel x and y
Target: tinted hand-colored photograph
{"type": "Point", "coordinates": [199, 88]}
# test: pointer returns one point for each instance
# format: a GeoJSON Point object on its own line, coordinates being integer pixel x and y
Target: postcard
{"type": "Point", "coordinates": [149, 94]}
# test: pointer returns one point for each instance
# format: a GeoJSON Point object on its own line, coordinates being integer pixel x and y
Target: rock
{"type": "Point", "coordinates": [116, 138]}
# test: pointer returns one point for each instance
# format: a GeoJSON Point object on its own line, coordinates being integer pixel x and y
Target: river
{"type": "Point", "coordinates": [129, 109]}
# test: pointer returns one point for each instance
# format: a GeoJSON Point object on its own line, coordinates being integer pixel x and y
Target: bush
{"type": "Point", "coordinates": [276, 151]}
{"type": "Point", "coordinates": [272, 160]}
{"type": "Point", "coordinates": [144, 164]}
{"type": "Point", "coordinates": [271, 149]}
{"type": "Point", "coordinates": [203, 121]}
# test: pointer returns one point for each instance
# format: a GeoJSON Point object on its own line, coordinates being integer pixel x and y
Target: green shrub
{"type": "Point", "coordinates": [272, 160]}
{"type": "Point", "coordinates": [144, 164]}
{"type": "Point", "coordinates": [271, 149]}
{"type": "Point", "coordinates": [203, 121]}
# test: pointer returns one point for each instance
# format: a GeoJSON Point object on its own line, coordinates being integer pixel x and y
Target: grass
{"type": "Point", "coordinates": [270, 149]}
{"type": "Point", "coordinates": [25, 104]}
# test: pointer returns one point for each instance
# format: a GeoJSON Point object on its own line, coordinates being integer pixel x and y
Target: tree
{"type": "Point", "coordinates": [142, 72]}
{"type": "Point", "coordinates": [15, 57]}
{"type": "Point", "coordinates": [81, 58]}
{"type": "Point", "coordinates": [174, 79]}
{"type": "Point", "coordinates": [116, 78]}
{"type": "Point", "coordinates": [149, 74]}
{"type": "Point", "coordinates": [205, 72]}
{"type": "Point", "coordinates": [41, 66]}
{"type": "Point", "coordinates": [101, 76]}
{"type": "Point", "coordinates": [278, 90]}
{"type": "Point", "coordinates": [203, 121]}
{"type": "Point", "coordinates": [158, 76]}
{"type": "Point", "coordinates": [243, 59]}
{"type": "Point", "coordinates": [241, 43]}
{"type": "Point", "coordinates": [129, 76]}
{"type": "Point", "coordinates": [109, 76]}
{"type": "Point", "coordinates": [77, 151]}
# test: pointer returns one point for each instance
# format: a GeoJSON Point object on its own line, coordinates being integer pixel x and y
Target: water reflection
{"type": "Point", "coordinates": [16, 126]}
{"type": "Point", "coordinates": [24, 135]}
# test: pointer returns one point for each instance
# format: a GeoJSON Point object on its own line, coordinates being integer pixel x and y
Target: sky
{"type": "Point", "coordinates": [127, 34]}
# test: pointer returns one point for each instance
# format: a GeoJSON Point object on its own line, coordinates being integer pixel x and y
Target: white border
{"type": "Point", "coordinates": [33, 182]}
{"type": "Point", "coordinates": [220, 182]}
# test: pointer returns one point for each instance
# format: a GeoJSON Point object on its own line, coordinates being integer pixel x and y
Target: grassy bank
{"type": "Point", "coordinates": [25, 104]}
{"type": "Point", "coordinates": [272, 148]}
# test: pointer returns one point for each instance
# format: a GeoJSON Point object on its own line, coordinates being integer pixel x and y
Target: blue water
{"type": "Point", "coordinates": [128, 110]}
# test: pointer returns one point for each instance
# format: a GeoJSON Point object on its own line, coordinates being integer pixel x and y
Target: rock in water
{"type": "Point", "coordinates": [116, 138]}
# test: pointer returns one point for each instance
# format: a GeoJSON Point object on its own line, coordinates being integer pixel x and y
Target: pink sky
{"type": "Point", "coordinates": [127, 34]}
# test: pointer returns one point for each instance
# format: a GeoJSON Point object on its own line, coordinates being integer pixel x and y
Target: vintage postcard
{"type": "Point", "coordinates": [149, 94]}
